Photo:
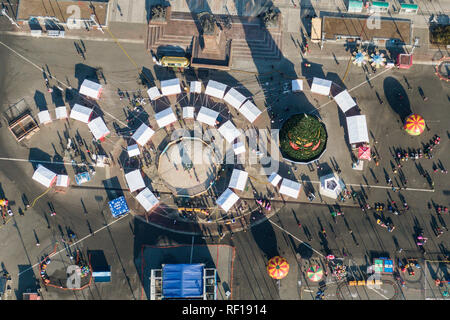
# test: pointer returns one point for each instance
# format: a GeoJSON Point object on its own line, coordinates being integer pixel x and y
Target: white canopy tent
{"type": "Point", "coordinates": [227, 199]}
{"type": "Point", "coordinates": [229, 131]}
{"type": "Point", "coordinates": [238, 148]}
{"type": "Point", "coordinates": [62, 180]}
{"type": "Point", "coordinates": [133, 150]}
{"type": "Point", "coordinates": [165, 117]}
{"type": "Point", "coordinates": [207, 116]}
{"type": "Point", "coordinates": [170, 87]}
{"type": "Point", "coordinates": [321, 86]}
{"type": "Point", "coordinates": [234, 98]}
{"type": "Point", "coordinates": [344, 101]}
{"type": "Point", "coordinates": [44, 117]}
{"type": "Point", "coordinates": [215, 89]}
{"type": "Point", "coordinates": [238, 179]}
{"type": "Point", "coordinates": [196, 87]}
{"type": "Point", "coordinates": [357, 129]}
{"type": "Point", "coordinates": [81, 113]}
{"type": "Point", "coordinates": [188, 112]}
{"type": "Point", "coordinates": [147, 199]}
{"type": "Point", "coordinates": [153, 93]}
{"type": "Point", "coordinates": [44, 176]}
{"type": "Point", "coordinates": [297, 85]}
{"type": "Point", "coordinates": [98, 128]}
{"type": "Point", "coordinates": [143, 134]}
{"type": "Point", "coordinates": [91, 89]}
{"type": "Point", "coordinates": [274, 179]}
{"type": "Point", "coordinates": [134, 180]}
{"type": "Point", "coordinates": [330, 186]}
{"type": "Point", "coordinates": [290, 188]}
{"type": "Point", "coordinates": [61, 113]}
{"type": "Point", "coordinates": [250, 111]}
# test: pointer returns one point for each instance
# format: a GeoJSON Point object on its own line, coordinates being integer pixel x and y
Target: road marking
{"type": "Point", "coordinates": [381, 187]}
{"type": "Point", "coordinates": [43, 161]}
{"type": "Point", "coordinates": [79, 241]}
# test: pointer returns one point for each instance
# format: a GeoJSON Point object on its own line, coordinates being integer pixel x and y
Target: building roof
{"type": "Point", "coordinates": [389, 29]}
{"type": "Point", "coordinates": [182, 280]}
{"type": "Point", "coordinates": [60, 10]}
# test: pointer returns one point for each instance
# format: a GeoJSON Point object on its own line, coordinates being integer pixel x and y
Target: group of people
{"type": "Point", "coordinates": [265, 204]}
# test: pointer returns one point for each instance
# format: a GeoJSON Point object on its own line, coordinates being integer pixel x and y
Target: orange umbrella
{"type": "Point", "coordinates": [278, 267]}
{"type": "Point", "coordinates": [414, 124]}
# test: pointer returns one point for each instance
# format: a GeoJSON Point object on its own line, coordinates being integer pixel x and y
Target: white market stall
{"type": "Point", "coordinates": [133, 150]}
{"type": "Point", "coordinates": [81, 113]}
{"type": "Point", "coordinates": [44, 117]}
{"type": "Point", "coordinates": [290, 188]}
{"type": "Point", "coordinates": [98, 129]}
{"type": "Point", "coordinates": [143, 134]}
{"type": "Point", "coordinates": [44, 176]}
{"type": "Point", "coordinates": [229, 131]}
{"type": "Point", "coordinates": [238, 148]}
{"type": "Point", "coordinates": [330, 186]}
{"type": "Point", "coordinates": [188, 112]}
{"type": "Point", "coordinates": [170, 87]}
{"type": "Point", "coordinates": [238, 179]}
{"type": "Point", "coordinates": [91, 89]}
{"type": "Point", "coordinates": [357, 129]}
{"type": "Point", "coordinates": [297, 85]}
{"type": "Point", "coordinates": [215, 89]}
{"type": "Point", "coordinates": [165, 117]}
{"type": "Point", "coordinates": [274, 179]}
{"type": "Point", "coordinates": [250, 111]}
{"type": "Point", "coordinates": [234, 98]}
{"type": "Point", "coordinates": [321, 86]}
{"type": "Point", "coordinates": [344, 100]}
{"type": "Point", "coordinates": [196, 87]}
{"type": "Point", "coordinates": [147, 199]}
{"type": "Point", "coordinates": [134, 180]}
{"type": "Point", "coordinates": [61, 113]}
{"type": "Point", "coordinates": [207, 116]}
{"type": "Point", "coordinates": [227, 199]}
{"type": "Point", "coordinates": [153, 93]}
{"type": "Point", "coordinates": [62, 181]}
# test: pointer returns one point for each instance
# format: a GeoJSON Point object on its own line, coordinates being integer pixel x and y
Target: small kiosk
{"type": "Point", "coordinates": [91, 89]}
{"type": "Point", "coordinates": [118, 207]}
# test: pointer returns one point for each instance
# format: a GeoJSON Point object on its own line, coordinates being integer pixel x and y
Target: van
{"type": "Point", "coordinates": [177, 62]}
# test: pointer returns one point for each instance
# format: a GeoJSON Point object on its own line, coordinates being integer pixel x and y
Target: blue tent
{"type": "Point", "coordinates": [182, 280]}
{"type": "Point", "coordinates": [118, 206]}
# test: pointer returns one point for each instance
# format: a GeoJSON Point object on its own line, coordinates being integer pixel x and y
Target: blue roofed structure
{"type": "Point", "coordinates": [118, 206]}
{"type": "Point", "coordinates": [182, 281]}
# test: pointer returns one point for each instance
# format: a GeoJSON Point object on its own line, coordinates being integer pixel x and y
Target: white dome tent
{"type": "Point", "coordinates": [81, 113]}
{"type": "Point", "coordinates": [238, 180]}
{"type": "Point", "coordinates": [134, 180]}
{"type": "Point", "coordinates": [147, 199]}
{"type": "Point", "coordinates": [344, 101]}
{"type": "Point", "coordinates": [290, 188]}
{"type": "Point", "coordinates": [44, 176]}
{"type": "Point", "coordinates": [321, 86]}
{"type": "Point", "coordinates": [330, 186]}
{"type": "Point", "coordinates": [215, 89]}
{"type": "Point", "coordinates": [207, 116]}
{"type": "Point", "coordinates": [170, 87]}
{"type": "Point", "coordinates": [229, 131]}
{"type": "Point", "coordinates": [227, 199]}
{"type": "Point", "coordinates": [165, 117]}
{"type": "Point", "coordinates": [91, 89]}
{"type": "Point", "coordinates": [234, 98]}
{"type": "Point", "coordinates": [99, 129]}
{"type": "Point", "coordinates": [143, 134]}
{"type": "Point", "coordinates": [250, 111]}
{"type": "Point", "coordinates": [357, 129]}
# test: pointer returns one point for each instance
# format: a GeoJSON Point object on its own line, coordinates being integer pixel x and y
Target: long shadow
{"type": "Point", "coordinates": [397, 97]}
{"type": "Point", "coordinates": [37, 155]}
{"type": "Point", "coordinates": [40, 101]}
{"type": "Point", "coordinates": [264, 237]}
{"type": "Point", "coordinates": [27, 280]}
{"type": "Point", "coordinates": [83, 71]}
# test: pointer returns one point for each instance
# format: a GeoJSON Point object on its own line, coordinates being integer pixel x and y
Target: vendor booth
{"type": "Point", "coordinates": [321, 86]}
{"type": "Point", "coordinates": [297, 85]}
{"type": "Point", "coordinates": [274, 179]}
{"type": "Point", "coordinates": [81, 113]}
{"type": "Point", "coordinates": [98, 129]}
{"type": "Point", "coordinates": [250, 111]}
{"type": "Point", "coordinates": [188, 112]}
{"type": "Point", "coordinates": [147, 199]}
{"type": "Point", "coordinates": [133, 150]}
{"type": "Point", "coordinates": [118, 207]}
{"type": "Point", "coordinates": [170, 87]}
{"type": "Point", "coordinates": [153, 93]}
{"type": "Point", "coordinates": [62, 181]}
{"type": "Point", "coordinates": [196, 87]}
{"type": "Point", "coordinates": [182, 281]}
{"type": "Point", "coordinates": [44, 176]}
{"type": "Point", "coordinates": [44, 117]}
{"type": "Point", "coordinates": [215, 89]}
{"type": "Point", "coordinates": [207, 116]}
{"type": "Point", "coordinates": [238, 180]}
{"type": "Point", "coordinates": [91, 89]}
{"type": "Point", "coordinates": [229, 131]}
{"type": "Point", "coordinates": [234, 98]}
{"type": "Point", "coordinates": [61, 113]}
{"type": "Point", "coordinates": [82, 178]}
{"type": "Point", "coordinates": [165, 117]}
{"type": "Point", "coordinates": [344, 101]}
{"type": "Point", "coordinates": [227, 199]}
{"type": "Point", "coordinates": [290, 188]}
{"type": "Point", "coordinates": [143, 134]}
{"type": "Point", "coordinates": [134, 180]}
{"type": "Point", "coordinates": [357, 130]}
{"type": "Point", "coordinates": [330, 185]}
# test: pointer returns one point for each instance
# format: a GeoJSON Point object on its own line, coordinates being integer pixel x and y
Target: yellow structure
{"type": "Point", "coordinates": [177, 62]}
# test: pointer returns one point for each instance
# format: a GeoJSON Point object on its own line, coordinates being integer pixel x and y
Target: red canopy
{"type": "Point", "coordinates": [364, 153]}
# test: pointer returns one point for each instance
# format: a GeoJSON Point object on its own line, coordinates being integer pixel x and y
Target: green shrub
{"type": "Point", "coordinates": [440, 35]}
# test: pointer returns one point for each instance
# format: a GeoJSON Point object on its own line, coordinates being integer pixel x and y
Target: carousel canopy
{"type": "Point", "coordinates": [98, 128]}
{"type": "Point", "coordinates": [274, 179]}
{"type": "Point", "coordinates": [330, 186]}
{"type": "Point", "coordinates": [215, 89]}
{"type": "Point", "coordinates": [147, 199]}
{"type": "Point", "coordinates": [278, 267]}
{"type": "Point", "coordinates": [44, 176]}
{"type": "Point", "coordinates": [196, 87]}
{"type": "Point", "coordinates": [188, 112]}
{"type": "Point", "coordinates": [61, 112]}
{"type": "Point", "coordinates": [315, 273]}
{"type": "Point", "coordinates": [80, 113]}
{"type": "Point", "coordinates": [44, 117]}
{"type": "Point", "coordinates": [290, 188]}
{"type": "Point", "coordinates": [207, 116]}
{"type": "Point", "coordinates": [250, 111]}
{"type": "Point", "coordinates": [238, 180]}
{"type": "Point", "coordinates": [170, 87]}
{"type": "Point", "coordinates": [321, 86]}
{"type": "Point", "coordinates": [297, 85]}
{"type": "Point", "coordinates": [134, 180]}
{"type": "Point", "coordinates": [62, 180]}
{"type": "Point", "coordinates": [153, 93]}
{"type": "Point", "coordinates": [357, 129]}
{"type": "Point", "coordinates": [344, 101]}
{"type": "Point", "coordinates": [229, 131]}
{"type": "Point", "coordinates": [234, 98]}
{"type": "Point", "coordinates": [227, 199]}
{"type": "Point", "coordinates": [143, 134]}
{"type": "Point", "coordinates": [133, 150]}
{"type": "Point", "coordinates": [91, 89]}
{"type": "Point", "coordinates": [165, 117]}
{"type": "Point", "coordinates": [238, 148]}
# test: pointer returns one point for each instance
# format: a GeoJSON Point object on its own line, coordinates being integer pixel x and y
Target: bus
{"type": "Point", "coordinates": [177, 62]}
